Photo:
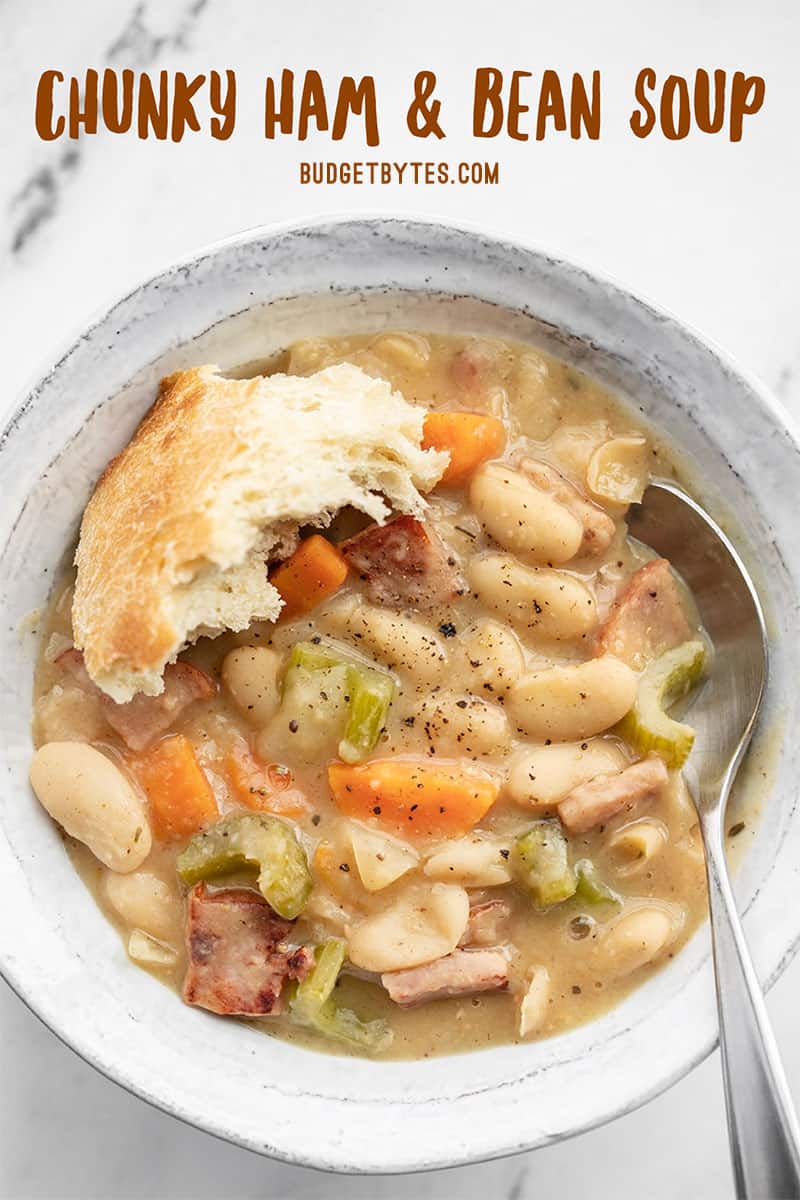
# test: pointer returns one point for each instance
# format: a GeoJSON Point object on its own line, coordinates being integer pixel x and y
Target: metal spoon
{"type": "Point", "coordinates": [762, 1125]}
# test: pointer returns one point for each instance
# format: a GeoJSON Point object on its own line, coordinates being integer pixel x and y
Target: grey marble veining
{"type": "Point", "coordinates": [137, 45]}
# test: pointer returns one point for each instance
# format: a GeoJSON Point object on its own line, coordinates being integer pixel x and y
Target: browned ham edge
{"type": "Point", "coordinates": [462, 973]}
{"type": "Point", "coordinates": [145, 718]}
{"type": "Point", "coordinates": [598, 527]}
{"type": "Point", "coordinates": [238, 957]}
{"type": "Point", "coordinates": [595, 802]}
{"type": "Point", "coordinates": [404, 565]}
{"type": "Point", "coordinates": [647, 618]}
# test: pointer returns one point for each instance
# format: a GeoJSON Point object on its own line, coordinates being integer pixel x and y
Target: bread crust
{"type": "Point", "coordinates": [221, 471]}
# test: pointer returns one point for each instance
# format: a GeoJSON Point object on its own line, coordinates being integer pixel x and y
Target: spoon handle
{"type": "Point", "coordinates": [762, 1126]}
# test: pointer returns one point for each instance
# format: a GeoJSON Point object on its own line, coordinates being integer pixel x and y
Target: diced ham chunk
{"type": "Point", "coordinates": [461, 973]}
{"type": "Point", "coordinates": [404, 565]}
{"type": "Point", "coordinates": [238, 957]}
{"type": "Point", "coordinates": [485, 923]}
{"type": "Point", "coordinates": [598, 527]}
{"type": "Point", "coordinates": [145, 718]}
{"type": "Point", "coordinates": [606, 796]}
{"type": "Point", "coordinates": [648, 617]}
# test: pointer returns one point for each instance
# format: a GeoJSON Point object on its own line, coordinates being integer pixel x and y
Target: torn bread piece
{"type": "Point", "coordinates": [214, 484]}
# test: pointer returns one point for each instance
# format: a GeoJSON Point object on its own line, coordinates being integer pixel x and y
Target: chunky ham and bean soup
{"type": "Point", "coordinates": [438, 804]}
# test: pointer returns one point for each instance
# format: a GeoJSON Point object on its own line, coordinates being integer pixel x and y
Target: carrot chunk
{"type": "Point", "coordinates": [315, 571]}
{"type": "Point", "coordinates": [181, 799]}
{"type": "Point", "coordinates": [469, 438]}
{"type": "Point", "coordinates": [415, 796]}
{"type": "Point", "coordinates": [264, 787]}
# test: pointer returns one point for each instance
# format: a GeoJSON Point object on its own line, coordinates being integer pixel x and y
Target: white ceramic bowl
{"type": "Point", "coordinates": [239, 301]}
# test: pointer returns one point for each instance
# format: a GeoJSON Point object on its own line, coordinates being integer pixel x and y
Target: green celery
{"type": "Point", "coordinates": [252, 840]}
{"type": "Point", "coordinates": [541, 864]}
{"type": "Point", "coordinates": [314, 1006]}
{"type": "Point", "coordinates": [591, 887]}
{"type": "Point", "coordinates": [314, 669]}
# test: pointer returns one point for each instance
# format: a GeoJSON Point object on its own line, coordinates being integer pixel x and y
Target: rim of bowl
{"type": "Point", "coordinates": [512, 243]}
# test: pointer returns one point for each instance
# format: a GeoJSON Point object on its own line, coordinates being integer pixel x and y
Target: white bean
{"type": "Point", "coordinates": [144, 901]}
{"type": "Point", "coordinates": [522, 518]}
{"type": "Point", "coordinates": [472, 861]}
{"type": "Point", "coordinates": [424, 923]}
{"type": "Point", "coordinates": [250, 673]}
{"type": "Point", "coordinates": [462, 725]}
{"type": "Point", "coordinates": [543, 776]}
{"type": "Point", "coordinates": [408, 351]}
{"type": "Point", "coordinates": [492, 658]}
{"type": "Point", "coordinates": [93, 801]}
{"type": "Point", "coordinates": [399, 642]}
{"type": "Point", "coordinates": [635, 940]}
{"type": "Point", "coordinates": [568, 703]}
{"type": "Point", "coordinates": [536, 600]}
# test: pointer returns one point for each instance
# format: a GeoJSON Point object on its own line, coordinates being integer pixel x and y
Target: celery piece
{"type": "Point", "coordinates": [253, 840]}
{"type": "Point", "coordinates": [314, 1006]}
{"type": "Point", "coordinates": [330, 687]}
{"type": "Point", "coordinates": [666, 680]}
{"type": "Point", "coordinates": [311, 656]}
{"type": "Point", "coordinates": [318, 987]}
{"type": "Point", "coordinates": [541, 865]}
{"type": "Point", "coordinates": [371, 693]}
{"type": "Point", "coordinates": [590, 886]}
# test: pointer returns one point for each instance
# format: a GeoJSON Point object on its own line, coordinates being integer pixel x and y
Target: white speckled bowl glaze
{"type": "Point", "coordinates": [239, 301]}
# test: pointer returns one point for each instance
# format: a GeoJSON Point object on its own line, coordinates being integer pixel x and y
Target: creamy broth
{"type": "Point", "coordinates": [450, 704]}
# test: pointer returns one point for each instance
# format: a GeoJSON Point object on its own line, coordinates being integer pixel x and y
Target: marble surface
{"type": "Point", "coordinates": [705, 227]}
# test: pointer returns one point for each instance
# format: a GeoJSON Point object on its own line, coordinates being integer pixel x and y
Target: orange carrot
{"type": "Point", "coordinates": [181, 799]}
{"type": "Point", "coordinates": [315, 571]}
{"type": "Point", "coordinates": [470, 439]}
{"type": "Point", "coordinates": [416, 796]}
{"type": "Point", "coordinates": [265, 787]}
